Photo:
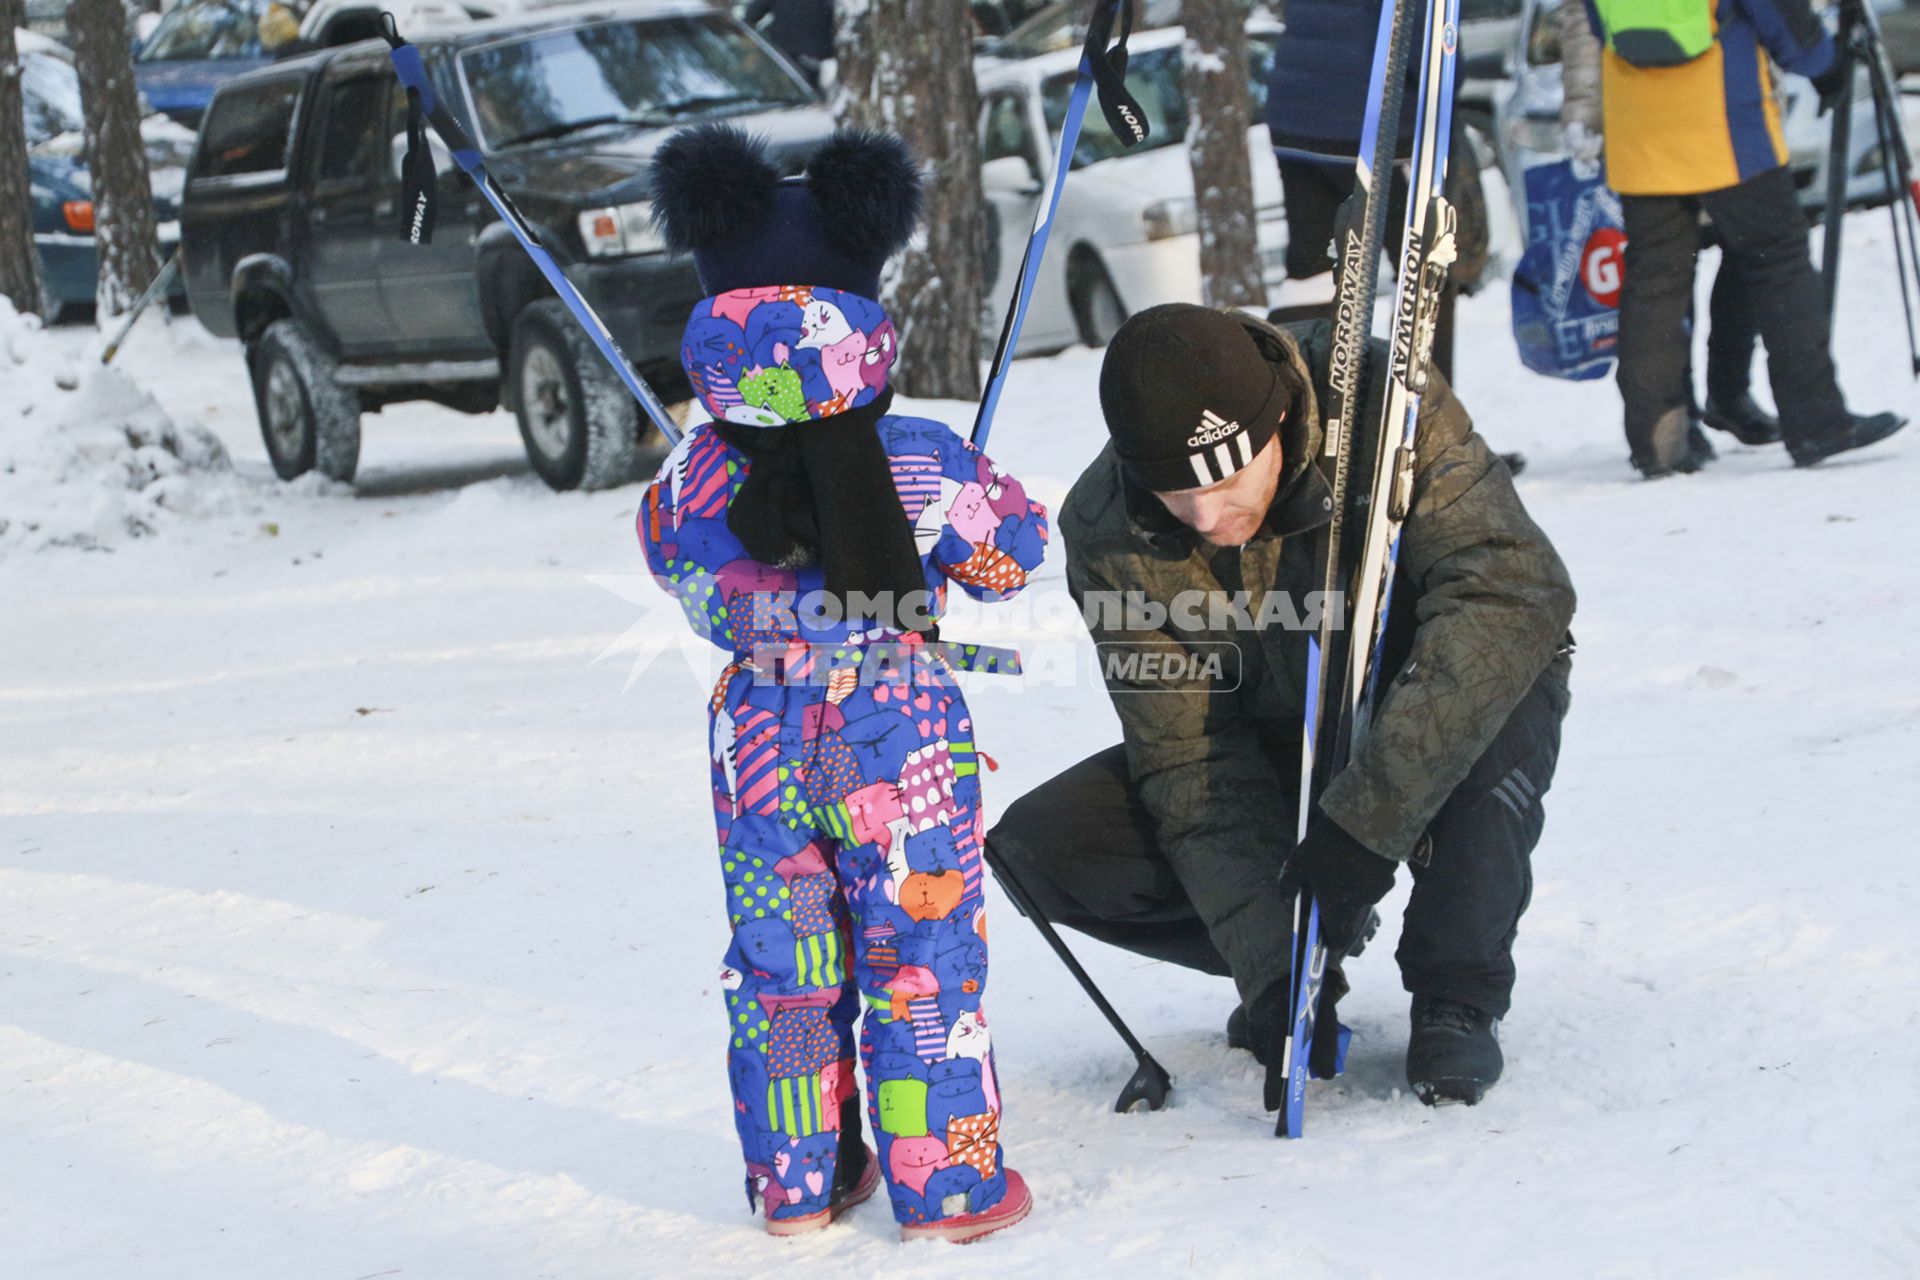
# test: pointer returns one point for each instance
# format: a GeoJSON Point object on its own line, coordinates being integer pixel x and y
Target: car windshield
{"type": "Point", "coordinates": [50, 94]}
{"type": "Point", "coordinates": [649, 72]}
{"type": "Point", "coordinates": [1153, 77]}
{"type": "Point", "coordinates": [199, 29]}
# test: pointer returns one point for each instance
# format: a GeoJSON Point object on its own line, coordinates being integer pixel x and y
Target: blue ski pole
{"type": "Point", "coordinates": [1318, 1043]}
{"type": "Point", "coordinates": [1106, 67]}
{"type": "Point", "coordinates": [1358, 235]}
{"type": "Point", "coordinates": [422, 102]}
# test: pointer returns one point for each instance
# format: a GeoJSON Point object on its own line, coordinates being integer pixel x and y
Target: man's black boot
{"type": "Point", "coordinates": [1453, 1054]}
{"type": "Point", "coordinates": [1680, 447]}
{"type": "Point", "coordinates": [1859, 432]}
{"type": "Point", "coordinates": [1742, 418]}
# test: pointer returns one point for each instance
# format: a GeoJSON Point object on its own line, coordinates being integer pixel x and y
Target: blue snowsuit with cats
{"type": "Point", "coordinates": [847, 802]}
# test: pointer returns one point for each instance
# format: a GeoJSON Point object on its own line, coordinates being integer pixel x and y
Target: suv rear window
{"type": "Point", "coordinates": [247, 129]}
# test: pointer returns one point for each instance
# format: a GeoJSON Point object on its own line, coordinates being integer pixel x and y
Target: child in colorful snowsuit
{"type": "Point", "coordinates": [845, 778]}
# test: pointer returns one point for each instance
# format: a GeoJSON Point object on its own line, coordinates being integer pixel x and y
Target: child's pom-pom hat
{"type": "Point", "coordinates": [718, 194]}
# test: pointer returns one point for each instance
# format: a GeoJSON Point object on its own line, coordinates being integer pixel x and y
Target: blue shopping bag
{"type": "Point", "coordinates": [1566, 288]}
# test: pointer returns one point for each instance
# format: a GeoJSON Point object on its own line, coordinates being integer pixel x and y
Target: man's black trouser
{"type": "Point", "coordinates": [1082, 845]}
{"type": "Point", "coordinates": [1765, 237]}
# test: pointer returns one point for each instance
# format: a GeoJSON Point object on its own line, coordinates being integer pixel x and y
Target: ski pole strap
{"type": "Point", "coordinates": [1105, 57]}
{"type": "Point", "coordinates": [418, 181]}
{"type": "Point", "coordinates": [1103, 61]}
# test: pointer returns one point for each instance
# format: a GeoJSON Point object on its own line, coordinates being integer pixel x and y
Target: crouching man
{"type": "Point", "coordinates": [1191, 546]}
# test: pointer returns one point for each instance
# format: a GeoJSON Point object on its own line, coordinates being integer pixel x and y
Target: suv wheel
{"type": "Point", "coordinates": [1097, 308]}
{"type": "Point", "coordinates": [308, 420]}
{"type": "Point", "coordinates": [579, 423]}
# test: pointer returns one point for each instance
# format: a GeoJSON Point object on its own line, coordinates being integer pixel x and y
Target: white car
{"type": "Point", "coordinates": [1123, 238]}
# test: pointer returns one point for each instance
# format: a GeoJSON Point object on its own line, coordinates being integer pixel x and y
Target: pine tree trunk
{"type": "Point", "coordinates": [19, 265]}
{"type": "Point", "coordinates": [1214, 73]}
{"type": "Point", "coordinates": [116, 157]}
{"type": "Point", "coordinates": [907, 66]}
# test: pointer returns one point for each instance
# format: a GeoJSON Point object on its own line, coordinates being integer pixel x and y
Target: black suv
{"type": "Point", "coordinates": [291, 239]}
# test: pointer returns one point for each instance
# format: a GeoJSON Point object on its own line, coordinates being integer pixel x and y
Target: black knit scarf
{"type": "Point", "coordinates": [822, 492]}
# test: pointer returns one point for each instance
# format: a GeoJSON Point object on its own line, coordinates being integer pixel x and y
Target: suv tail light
{"type": "Point", "coordinates": [620, 230]}
{"type": "Point", "coordinates": [79, 215]}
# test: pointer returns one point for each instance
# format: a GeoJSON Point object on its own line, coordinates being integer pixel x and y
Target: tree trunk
{"type": "Point", "coordinates": [907, 66]}
{"type": "Point", "coordinates": [116, 157]}
{"type": "Point", "coordinates": [19, 265]}
{"type": "Point", "coordinates": [1214, 74]}
{"type": "Point", "coordinates": [853, 62]}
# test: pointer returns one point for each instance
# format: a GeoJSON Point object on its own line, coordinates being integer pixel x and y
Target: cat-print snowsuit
{"type": "Point", "coordinates": [847, 799]}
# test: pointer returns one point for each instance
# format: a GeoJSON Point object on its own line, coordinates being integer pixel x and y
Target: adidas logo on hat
{"type": "Point", "coordinates": [1232, 449]}
{"type": "Point", "coordinates": [1213, 428]}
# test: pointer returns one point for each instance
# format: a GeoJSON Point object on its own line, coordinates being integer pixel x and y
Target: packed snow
{"type": "Point", "coordinates": [360, 916]}
{"type": "Point", "coordinates": [88, 457]}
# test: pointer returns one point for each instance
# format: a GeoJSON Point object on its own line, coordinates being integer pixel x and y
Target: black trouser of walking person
{"type": "Point", "coordinates": [1083, 847]}
{"type": "Point", "coordinates": [1771, 282]}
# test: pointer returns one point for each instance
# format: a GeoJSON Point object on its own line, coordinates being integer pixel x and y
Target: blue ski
{"type": "Point", "coordinates": [1341, 659]}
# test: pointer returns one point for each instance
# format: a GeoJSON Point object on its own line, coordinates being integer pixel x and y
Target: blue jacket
{"type": "Point", "coordinates": [1317, 90]}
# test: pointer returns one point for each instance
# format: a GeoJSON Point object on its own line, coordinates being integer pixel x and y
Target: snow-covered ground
{"type": "Point", "coordinates": [358, 914]}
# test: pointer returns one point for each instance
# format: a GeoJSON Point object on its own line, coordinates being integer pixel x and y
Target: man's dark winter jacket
{"type": "Point", "coordinates": [1481, 609]}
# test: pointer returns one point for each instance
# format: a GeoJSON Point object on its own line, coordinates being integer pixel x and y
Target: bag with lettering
{"type": "Point", "coordinates": [1566, 288]}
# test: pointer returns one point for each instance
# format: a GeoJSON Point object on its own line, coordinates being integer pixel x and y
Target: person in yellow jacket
{"type": "Point", "coordinates": [1692, 126]}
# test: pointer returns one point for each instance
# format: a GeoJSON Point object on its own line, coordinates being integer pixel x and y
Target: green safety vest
{"type": "Point", "coordinates": [1657, 33]}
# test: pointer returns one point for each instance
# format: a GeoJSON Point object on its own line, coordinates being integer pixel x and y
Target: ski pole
{"type": "Point", "coordinates": [418, 204]}
{"type": "Point", "coordinates": [154, 290]}
{"type": "Point", "coordinates": [1896, 169]}
{"type": "Point", "coordinates": [1838, 145]}
{"type": "Point", "coordinates": [1106, 67]}
{"type": "Point", "coordinates": [1150, 1081]}
{"type": "Point", "coordinates": [1358, 233]}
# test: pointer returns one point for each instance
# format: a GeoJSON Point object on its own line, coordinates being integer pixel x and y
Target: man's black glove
{"type": "Point", "coordinates": [1835, 84]}
{"type": "Point", "coordinates": [1270, 1025]}
{"type": "Point", "coordinates": [1345, 877]}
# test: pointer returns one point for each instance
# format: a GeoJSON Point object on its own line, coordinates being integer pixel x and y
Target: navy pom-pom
{"type": "Point", "coordinates": [866, 185]}
{"type": "Point", "coordinates": [711, 183]}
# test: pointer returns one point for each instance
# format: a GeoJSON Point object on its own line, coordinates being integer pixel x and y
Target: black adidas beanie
{"type": "Point", "coordinates": [1188, 397]}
